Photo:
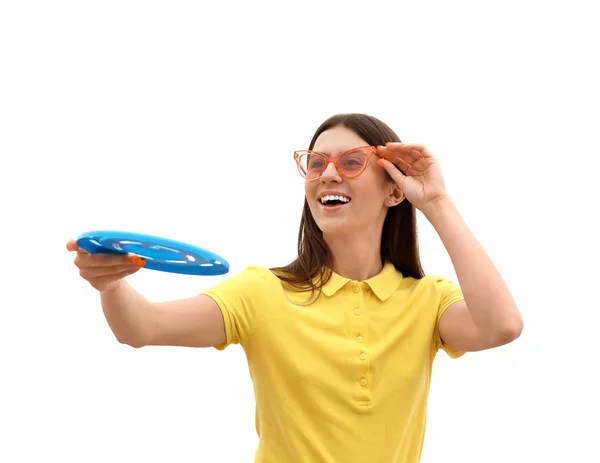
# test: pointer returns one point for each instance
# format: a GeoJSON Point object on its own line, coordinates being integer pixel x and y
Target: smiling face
{"type": "Point", "coordinates": [359, 204]}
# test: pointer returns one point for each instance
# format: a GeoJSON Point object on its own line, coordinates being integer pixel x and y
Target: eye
{"type": "Point", "coordinates": [353, 161]}
{"type": "Point", "coordinates": [315, 163]}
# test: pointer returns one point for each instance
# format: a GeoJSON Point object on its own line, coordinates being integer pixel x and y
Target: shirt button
{"type": "Point", "coordinates": [356, 311]}
{"type": "Point", "coordinates": [363, 356]}
{"type": "Point", "coordinates": [359, 339]}
{"type": "Point", "coordinates": [355, 289]}
{"type": "Point", "coordinates": [363, 382]}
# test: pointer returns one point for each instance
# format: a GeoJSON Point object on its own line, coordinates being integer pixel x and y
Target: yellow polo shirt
{"type": "Point", "coordinates": [346, 378]}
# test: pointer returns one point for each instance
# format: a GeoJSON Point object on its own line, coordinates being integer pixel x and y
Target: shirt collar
{"type": "Point", "coordinates": [383, 284]}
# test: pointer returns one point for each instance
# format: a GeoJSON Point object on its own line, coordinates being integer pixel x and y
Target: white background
{"type": "Point", "coordinates": [180, 119]}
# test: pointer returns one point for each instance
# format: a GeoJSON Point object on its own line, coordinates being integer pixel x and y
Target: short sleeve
{"type": "Point", "coordinates": [238, 297]}
{"type": "Point", "coordinates": [448, 293]}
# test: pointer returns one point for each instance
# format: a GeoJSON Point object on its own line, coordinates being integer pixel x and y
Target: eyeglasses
{"type": "Point", "coordinates": [350, 163]}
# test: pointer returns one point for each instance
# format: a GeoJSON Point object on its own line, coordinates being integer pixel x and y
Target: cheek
{"type": "Point", "coordinates": [381, 176]}
{"type": "Point", "coordinates": [370, 200]}
{"type": "Point", "coordinates": [373, 188]}
{"type": "Point", "coordinates": [310, 192]}
{"type": "Point", "coordinates": [309, 189]}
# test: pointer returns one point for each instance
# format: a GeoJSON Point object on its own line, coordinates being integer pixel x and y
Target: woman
{"type": "Point", "coordinates": [341, 342]}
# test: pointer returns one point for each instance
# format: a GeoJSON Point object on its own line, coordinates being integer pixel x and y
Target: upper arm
{"type": "Point", "coordinates": [223, 314]}
{"type": "Point", "coordinates": [193, 322]}
{"type": "Point", "coordinates": [458, 331]}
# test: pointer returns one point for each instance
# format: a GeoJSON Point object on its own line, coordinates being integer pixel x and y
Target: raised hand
{"type": "Point", "coordinates": [423, 183]}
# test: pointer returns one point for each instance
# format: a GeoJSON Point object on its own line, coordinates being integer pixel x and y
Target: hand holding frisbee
{"type": "Point", "coordinates": [102, 271]}
{"type": "Point", "coordinates": [152, 252]}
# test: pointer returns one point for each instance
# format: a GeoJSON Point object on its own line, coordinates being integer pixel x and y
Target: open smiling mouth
{"type": "Point", "coordinates": [334, 201]}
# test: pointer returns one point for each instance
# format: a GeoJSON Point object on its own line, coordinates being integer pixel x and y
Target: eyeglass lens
{"type": "Point", "coordinates": [350, 163]}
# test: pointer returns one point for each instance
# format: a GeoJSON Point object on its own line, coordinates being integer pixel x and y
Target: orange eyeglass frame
{"type": "Point", "coordinates": [370, 151]}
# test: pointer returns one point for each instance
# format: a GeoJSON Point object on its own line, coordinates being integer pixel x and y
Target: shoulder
{"type": "Point", "coordinates": [257, 273]}
{"type": "Point", "coordinates": [441, 284]}
{"type": "Point", "coordinates": [252, 279]}
{"type": "Point", "coordinates": [444, 291]}
{"type": "Point", "coordinates": [431, 282]}
{"type": "Point", "coordinates": [433, 289]}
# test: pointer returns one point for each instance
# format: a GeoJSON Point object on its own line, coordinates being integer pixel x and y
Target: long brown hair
{"type": "Point", "coordinates": [399, 243]}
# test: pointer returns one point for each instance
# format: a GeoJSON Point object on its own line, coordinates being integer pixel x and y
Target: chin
{"type": "Point", "coordinates": [337, 222]}
{"type": "Point", "coordinates": [335, 226]}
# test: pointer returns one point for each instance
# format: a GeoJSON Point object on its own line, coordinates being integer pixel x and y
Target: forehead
{"type": "Point", "coordinates": [338, 139]}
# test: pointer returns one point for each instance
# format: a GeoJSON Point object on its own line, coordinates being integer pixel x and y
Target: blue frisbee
{"type": "Point", "coordinates": [161, 254]}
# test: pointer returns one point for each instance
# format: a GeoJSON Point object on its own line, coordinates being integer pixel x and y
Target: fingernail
{"type": "Point", "coordinates": [380, 147]}
{"type": "Point", "coordinates": [137, 260]}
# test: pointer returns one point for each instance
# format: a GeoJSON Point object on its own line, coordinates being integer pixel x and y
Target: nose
{"type": "Point", "coordinates": [330, 174]}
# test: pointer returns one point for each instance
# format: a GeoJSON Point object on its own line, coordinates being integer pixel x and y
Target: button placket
{"type": "Point", "coordinates": [359, 320]}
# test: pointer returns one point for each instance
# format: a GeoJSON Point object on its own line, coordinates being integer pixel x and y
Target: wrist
{"type": "Point", "coordinates": [112, 287]}
{"type": "Point", "coordinates": [436, 206]}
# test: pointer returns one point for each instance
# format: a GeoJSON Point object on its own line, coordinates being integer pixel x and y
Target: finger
{"type": "Point", "coordinates": [73, 246]}
{"type": "Point", "coordinates": [408, 154]}
{"type": "Point", "coordinates": [110, 260]}
{"type": "Point", "coordinates": [420, 165]}
{"type": "Point", "coordinates": [391, 169]}
{"type": "Point", "coordinates": [89, 273]}
{"type": "Point", "coordinates": [102, 282]}
{"type": "Point", "coordinates": [421, 150]}
{"type": "Point", "coordinates": [404, 160]}
{"type": "Point", "coordinates": [137, 260]}
{"type": "Point", "coordinates": [404, 165]}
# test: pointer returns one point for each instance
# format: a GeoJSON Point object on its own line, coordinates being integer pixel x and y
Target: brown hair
{"type": "Point", "coordinates": [399, 244]}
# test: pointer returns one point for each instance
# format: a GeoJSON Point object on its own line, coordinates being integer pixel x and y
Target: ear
{"type": "Point", "coordinates": [395, 196]}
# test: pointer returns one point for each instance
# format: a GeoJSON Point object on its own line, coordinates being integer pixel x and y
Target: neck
{"type": "Point", "coordinates": [355, 257]}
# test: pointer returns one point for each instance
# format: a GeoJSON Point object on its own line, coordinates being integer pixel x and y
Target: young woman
{"type": "Point", "coordinates": [341, 342]}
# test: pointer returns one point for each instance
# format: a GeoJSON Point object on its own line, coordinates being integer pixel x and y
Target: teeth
{"type": "Point", "coordinates": [327, 198]}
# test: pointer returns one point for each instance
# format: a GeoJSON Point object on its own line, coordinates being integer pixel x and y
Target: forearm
{"type": "Point", "coordinates": [488, 298]}
{"type": "Point", "coordinates": [128, 313]}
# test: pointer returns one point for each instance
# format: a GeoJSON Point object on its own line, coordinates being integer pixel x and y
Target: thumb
{"type": "Point", "coordinates": [394, 172]}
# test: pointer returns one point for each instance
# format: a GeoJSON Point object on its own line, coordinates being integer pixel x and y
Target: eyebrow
{"type": "Point", "coordinates": [340, 151]}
